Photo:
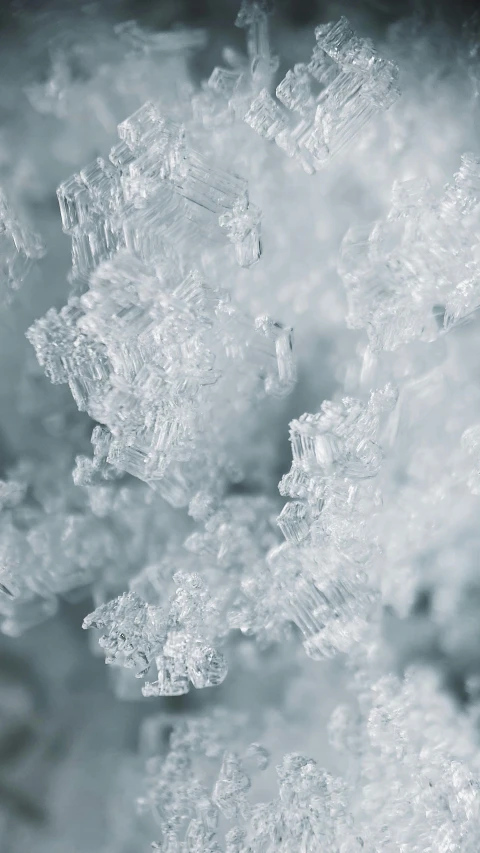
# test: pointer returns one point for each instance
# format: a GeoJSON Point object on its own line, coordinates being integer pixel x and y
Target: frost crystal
{"type": "Point", "coordinates": [328, 562]}
{"type": "Point", "coordinates": [151, 355]}
{"type": "Point", "coordinates": [335, 95]}
{"type": "Point", "coordinates": [414, 276]}
{"type": "Point", "coordinates": [135, 634]}
{"type": "Point", "coordinates": [154, 193]}
{"type": "Point", "coordinates": [19, 248]}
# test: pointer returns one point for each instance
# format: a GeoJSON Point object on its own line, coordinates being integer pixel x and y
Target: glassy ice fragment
{"type": "Point", "coordinates": [265, 116]}
{"type": "Point", "coordinates": [283, 379]}
{"type": "Point", "coordinates": [206, 667]}
{"type": "Point", "coordinates": [224, 81]}
{"type": "Point", "coordinates": [145, 121]}
{"type": "Point", "coordinates": [293, 521]}
{"type": "Point", "coordinates": [242, 225]}
{"type": "Point", "coordinates": [75, 204]}
{"type": "Point", "coordinates": [295, 93]}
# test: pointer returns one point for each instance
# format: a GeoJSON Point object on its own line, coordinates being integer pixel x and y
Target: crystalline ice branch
{"type": "Point", "coordinates": [154, 192]}
{"type": "Point", "coordinates": [229, 91]}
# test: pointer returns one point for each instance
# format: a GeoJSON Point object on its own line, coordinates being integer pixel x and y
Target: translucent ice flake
{"type": "Point", "coordinates": [19, 249]}
{"type": "Point", "coordinates": [335, 95]}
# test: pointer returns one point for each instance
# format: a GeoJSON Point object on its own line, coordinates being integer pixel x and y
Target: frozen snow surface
{"type": "Point", "coordinates": [286, 250]}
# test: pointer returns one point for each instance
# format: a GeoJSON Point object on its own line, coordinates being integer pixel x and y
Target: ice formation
{"type": "Point", "coordinates": [144, 470]}
{"type": "Point", "coordinates": [414, 275]}
{"type": "Point", "coordinates": [20, 247]}
{"type": "Point", "coordinates": [335, 94]}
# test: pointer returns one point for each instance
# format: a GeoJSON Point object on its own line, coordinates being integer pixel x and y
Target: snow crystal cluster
{"type": "Point", "coordinates": [313, 669]}
{"type": "Point", "coordinates": [20, 247]}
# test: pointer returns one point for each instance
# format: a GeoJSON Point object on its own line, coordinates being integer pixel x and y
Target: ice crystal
{"type": "Point", "coordinates": [154, 191]}
{"type": "Point", "coordinates": [168, 527]}
{"type": "Point", "coordinates": [413, 276]}
{"type": "Point", "coordinates": [19, 248]}
{"type": "Point", "coordinates": [329, 557]}
{"type": "Point", "coordinates": [150, 353]}
{"type": "Point", "coordinates": [335, 94]}
{"type": "Point", "coordinates": [177, 638]}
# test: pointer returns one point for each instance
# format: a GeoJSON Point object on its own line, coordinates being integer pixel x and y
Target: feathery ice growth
{"type": "Point", "coordinates": [291, 632]}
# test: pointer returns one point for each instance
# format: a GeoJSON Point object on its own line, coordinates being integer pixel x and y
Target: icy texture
{"type": "Point", "coordinates": [171, 520]}
{"type": "Point", "coordinates": [414, 275]}
{"type": "Point", "coordinates": [328, 562]}
{"type": "Point", "coordinates": [19, 249]}
{"type": "Point", "coordinates": [177, 638]}
{"type": "Point", "coordinates": [334, 95]}
{"type": "Point", "coordinates": [394, 770]}
{"type": "Point", "coordinates": [163, 361]}
{"type": "Point", "coordinates": [308, 809]}
{"type": "Point", "coordinates": [154, 193]}
{"type": "Point", "coordinates": [182, 638]}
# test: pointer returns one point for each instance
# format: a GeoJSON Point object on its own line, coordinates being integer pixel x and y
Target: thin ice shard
{"type": "Point", "coordinates": [326, 567]}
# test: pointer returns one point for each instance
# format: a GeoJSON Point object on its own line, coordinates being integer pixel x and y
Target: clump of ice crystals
{"type": "Point", "coordinates": [329, 562]}
{"type": "Point", "coordinates": [154, 191]}
{"type": "Point", "coordinates": [389, 735]}
{"type": "Point", "coordinates": [415, 274]}
{"type": "Point", "coordinates": [163, 361]}
{"type": "Point", "coordinates": [166, 342]}
{"type": "Point", "coordinates": [178, 638]}
{"type": "Point", "coordinates": [334, 95]}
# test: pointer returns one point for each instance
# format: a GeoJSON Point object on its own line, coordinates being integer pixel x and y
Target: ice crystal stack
{"type": "Point", "coordinates": [162, 360]}
{"type": "Point", "coordinates": [334, 95]}
{"type": "Point", "coordinates": [154, 191]}
{"type": "Point", "coordinates": [141, 449]}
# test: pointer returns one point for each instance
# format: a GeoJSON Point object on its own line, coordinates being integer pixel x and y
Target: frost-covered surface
{"type": "Point", "coordinates": [291, 631]}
